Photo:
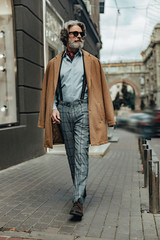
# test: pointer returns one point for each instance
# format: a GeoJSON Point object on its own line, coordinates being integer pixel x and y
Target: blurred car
{"type": "Point", "coordinates": [122, 122]}
{"type": "Point", "coordinates": [134, 120]}
{"type": "Point", "coordinates": [145, 126]}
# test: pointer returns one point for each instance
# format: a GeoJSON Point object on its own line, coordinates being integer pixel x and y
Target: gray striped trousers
{"type": "Point", "coordinates": [75, 130]}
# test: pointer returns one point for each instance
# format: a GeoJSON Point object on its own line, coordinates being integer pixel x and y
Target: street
{"type": "Point", "coordinates": [35, 198]}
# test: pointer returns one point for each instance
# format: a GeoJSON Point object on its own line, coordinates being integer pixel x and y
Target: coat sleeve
{"type": "Point", "coordinates": [107, 99]}
{"type": "Point", "coordinates": [41, 120]}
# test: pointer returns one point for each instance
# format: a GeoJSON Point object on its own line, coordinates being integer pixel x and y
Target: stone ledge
{"type": "Point", "coordinates": [93, 150]}
{"type": "Point", "coordinates": [113, 139]}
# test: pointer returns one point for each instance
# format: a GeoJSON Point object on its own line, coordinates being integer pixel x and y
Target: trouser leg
{"type": "Point", "coordinates": [68, 134]}
{"type": "Point", "coordinates": [75, 128]}
{"type": "Point", "coordinates": [81, 137]}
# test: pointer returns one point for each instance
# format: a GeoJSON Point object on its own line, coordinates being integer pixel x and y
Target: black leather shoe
{"type": "Point", "coordinates": [77, 209]}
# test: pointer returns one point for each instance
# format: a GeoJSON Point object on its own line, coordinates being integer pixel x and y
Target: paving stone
{"type": "Point", "coordinates": [21, 217]}
{"type": "Point", "coordinates": [62, 217]}
{"type": "Point", "coordinates": [56, 224]}
{"type": "Point", "coordinates": [109, 232]}
{"type": "Point", "coordinates": [122, 236]}
{"type": "Point", "coordinates": [37, 214]}
{"type": "Point", "coordinates": [66, 229]}
{"type": "Point", "coordinates": [12, 224]}
{"type": "Point", "coordinates": [28, 210]}
{"type": "Point", "coordinates": [52, 230]}
{"type": "Point", "coordinates": [52, 213]}
{"type": "Point", "coordinates": [149, 237]}
{"type": "Point", "coordinates": [20, 206]}
{"type": "Point", "coordinates": [2, 224]}
{"type": "Point", "coordinates": [5, 218]}
{"type": "Point", "coordinates": [40, 226]}
{"type": "Point", "coordinates": [46, 219]}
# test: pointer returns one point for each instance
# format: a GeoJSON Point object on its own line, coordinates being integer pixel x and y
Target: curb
{"type": "Point", "coordinates": [43, 236]}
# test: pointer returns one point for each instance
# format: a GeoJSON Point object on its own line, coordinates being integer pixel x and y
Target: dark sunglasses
{"type": "Point", "coordinates": [76, 33]}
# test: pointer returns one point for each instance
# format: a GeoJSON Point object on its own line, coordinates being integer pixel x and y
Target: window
{"type": "Point", "coordinates": [128, 68]}
{"type": "Point", "coordinates": [142, 91]}
{"type": "Point", "coordinates": [88, 6]}
{"type": "Point", "coordinates": [8, 106]}
{"type": "Point", "coordinates": [137, 68]}
{"type": "Point", "coordinates": [121, 69]}
{"type": "Point", "coordinates": [51, 53]}
{"type": "Point", "coordinates": [105, 69]}
{"type": "Point", "coordinates": [53, 26]}
{"type": "Point", "coordinates": [142, 80]}
{"type": "Point", "coordinates": [112, 69]}
{"type": "Point", "coordinates": [101, 6]}
{"type": "Point", "coordinates": [143, 68]}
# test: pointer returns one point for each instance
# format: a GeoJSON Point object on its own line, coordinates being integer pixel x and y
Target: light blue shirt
{"type": "Point", "coordinates": [71, 75]}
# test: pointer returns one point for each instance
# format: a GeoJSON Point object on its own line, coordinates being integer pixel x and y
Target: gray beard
{"type": "Point", "coordinates": [76, 44]}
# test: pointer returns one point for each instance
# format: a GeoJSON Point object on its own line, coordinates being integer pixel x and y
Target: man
{"type": "Point", "coordinates": [75, 96]}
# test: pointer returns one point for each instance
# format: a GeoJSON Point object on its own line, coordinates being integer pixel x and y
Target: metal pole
{"type": "Point", "coordinates": [144, 146]}
{"type": "Point", "coordinates": [140, 145]}
{"type": "Point", "coordinates": [153, 186]}
{"type": "Point", "coordinates": [139, 142]}
{"type": "Point", "coordinates": [147, 157]}
{"type": "Point", "coordinates": [143, 141]}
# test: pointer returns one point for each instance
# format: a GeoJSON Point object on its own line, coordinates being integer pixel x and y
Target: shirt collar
{"type": "Point", "coordinates": [78, 53]}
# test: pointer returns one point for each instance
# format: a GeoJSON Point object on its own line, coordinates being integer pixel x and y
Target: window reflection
{"type": "Point", "coordinates": [8, 111]}
{"type": "Point", "coordinates": [53, 26]}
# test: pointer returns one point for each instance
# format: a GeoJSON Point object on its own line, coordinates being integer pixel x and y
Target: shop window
{"type": "Point", "coordinates": [8, 108]}
{"type": "Point", "coordinates": [51, 53]}
{"type": "Point", "coordinates": [53, 25]}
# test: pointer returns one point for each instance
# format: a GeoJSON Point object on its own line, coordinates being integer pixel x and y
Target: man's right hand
{"type": "Point", "coordinates": [56, 116]}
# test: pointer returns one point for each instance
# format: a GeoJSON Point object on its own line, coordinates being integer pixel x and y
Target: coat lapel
{"type": "Point", "coordinates": [57, 64]}
{"type": "Point", "coordinates": [87, 65]}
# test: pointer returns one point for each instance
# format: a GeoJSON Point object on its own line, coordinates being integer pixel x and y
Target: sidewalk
{"type": "Point", "coordinates": [35, 198]}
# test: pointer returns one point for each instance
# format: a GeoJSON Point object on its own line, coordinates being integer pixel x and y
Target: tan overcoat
{"type": "Point", "coordinates": [100, 104]}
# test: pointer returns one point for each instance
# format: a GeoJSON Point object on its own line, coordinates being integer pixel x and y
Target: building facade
{"type": "Point", "coordinates": [29, 38]}
{"type": "Point", "coordinates": [129, 73]}
{"type": "Point", "coordinates": [151, 60]}
{"type": "Point", "coordinates": [142, 76]}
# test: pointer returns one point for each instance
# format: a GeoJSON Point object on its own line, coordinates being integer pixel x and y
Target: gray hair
{"type": "Point", "coordinates": [65, 30]}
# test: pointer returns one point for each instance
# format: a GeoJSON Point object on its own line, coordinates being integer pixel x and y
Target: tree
{"type": "Point", "coordinates": [116, 102]}
{"type": "Point", "coordinates": [125, 94]}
